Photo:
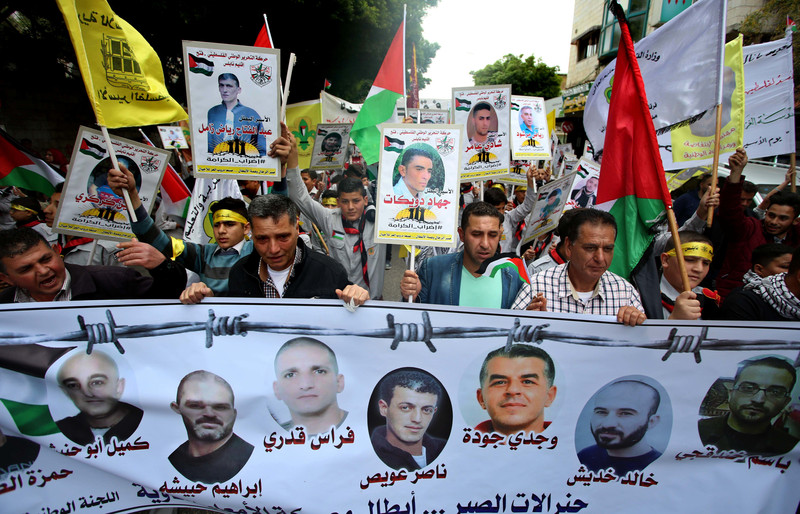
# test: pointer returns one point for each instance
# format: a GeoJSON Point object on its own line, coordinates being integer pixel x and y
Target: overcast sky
{"type": "Point", "coordinates": [474, 33]}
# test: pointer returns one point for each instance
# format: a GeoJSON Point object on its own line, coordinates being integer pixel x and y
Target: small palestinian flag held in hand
{"type": "Point", "coordinates": [393, 145]}
{"type": "Point", "coordinates": [200, 65]}
{"type": "Point", "coordinates": [493, 265]}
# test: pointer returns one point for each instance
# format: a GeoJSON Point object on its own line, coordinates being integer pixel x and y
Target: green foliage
{"type": "Point", "coordinates": [530, 77]}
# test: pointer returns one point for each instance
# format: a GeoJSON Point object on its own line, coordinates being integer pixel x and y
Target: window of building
{"type": "Point", "coordinates": [636, 11]}
{"type": "Point", "coordinates": [587, 45]}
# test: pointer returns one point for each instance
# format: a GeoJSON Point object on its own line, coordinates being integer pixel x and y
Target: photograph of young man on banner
{"type": "Point", "coordinates": [484, 111]}
{"type": "Point", "coordinates": [330, 146]}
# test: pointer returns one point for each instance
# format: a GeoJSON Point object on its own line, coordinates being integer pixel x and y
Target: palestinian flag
{"type": "Point", "coordinates": [200, 65]}
{"type": "Point", "coordinates": [514, 106]}
{"type": "Point", "coordinates": [174, 193]}
{"type": "Point", "coordinates": [92, 150]}
{"type": "Point", "coordinates": [790, 24]}
{"type": "Point", "coordinates": [327, 85]}
{"type": "Point", "coordinates": [632, 184]}
{"type": "Point", "coordinates": [491, 266]}
{"type": "Point", "coordinates": [393, 145]}
{"type": "Point", "coordinates": [21, 169]}
{"type": "Point", "coordinates": [463, 105]}
{"type": "Point", "coordinates": [24, 392]}
{"type": "Point", "coordinates": [379, 107]}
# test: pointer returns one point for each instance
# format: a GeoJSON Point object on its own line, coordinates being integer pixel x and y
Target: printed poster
{"type": "Point", "coordinates": [439, 116]}
{"type": "Point", "coordinates": [172, 137]}
{"type": "Point", "coordinates": [584, 190]}
{"type": "Point", "coordinates": [337, 110]}
{"type": "Point", "coordinates": [484, 112]}
{"type": "Point", "coordinates": [529, 136]}
{"type": "Point", "coordinates": [88, 206]}
{"type": "Point", "coordinates": [302, 119]}
{"type": "Point", "coordinates": [550, 201]}
{"type": "Point", "coordinates": [234, 103]}
{"type": "Point", "coordinates": [418, 186]}
{"type": "Point", "coordinates": [209, 406]}
{"type": "Point", "coordinates": [330, 146]}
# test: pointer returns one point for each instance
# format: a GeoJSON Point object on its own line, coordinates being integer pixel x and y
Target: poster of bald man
{"type": "Point", "coordinates": [233, 94]}
{"type": "Point", "coordinates": [95, 386]}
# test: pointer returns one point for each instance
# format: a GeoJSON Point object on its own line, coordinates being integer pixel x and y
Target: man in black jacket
{"type": "Point", "coordinates": [38, 274]}
{"type": "Point", "coordinates": [282, 266]}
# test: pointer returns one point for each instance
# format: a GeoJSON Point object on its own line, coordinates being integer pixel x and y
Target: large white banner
{"type": "Point", "coordinates": [88, 207]}
{"type": "Point", "coordinates": [485, 112]}
{"type": "Point", "coordinates": [337, 110]}
{"type": "Point", "coordinates": [680, 65]}
{"type": "Point", "coordinates": [205, 404]}
{"type": "Point", "coordinates": [233, 94]}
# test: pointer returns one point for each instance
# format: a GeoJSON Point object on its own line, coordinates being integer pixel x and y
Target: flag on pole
{"type": "Point", "coordinates": [327, 85]}
{"type": "Point", "coordinates": [790, 24]}
{"type": "Point", "coordinates": [121, 71]}
{"type": "Point", "coordinates": [680, 63]}
{"type": "Point", "coordinates": [632, 185]}
{"type": "Point", "coordinates": [379, 107]}
{"type": "Point", "coordinates": [491, 266]}
{"type": "Point", "coordinates": [174, 192]}
{"type": "Point", "coordinates": [264, 38]}
{"type": "Point", "coordinates": [21, 169]}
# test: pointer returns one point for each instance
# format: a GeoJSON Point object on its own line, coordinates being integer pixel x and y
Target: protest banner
{"type": "Point", "coordinates": [439, 116]}
{"type": "Point", "coordinates": [529, 135]}
{"type": "Point", "coordinates": [418, 188]}
{"type": "Point", "coordinates": [330, 146]}
{"type": "Point", "coordinates": [550, 201]}
{"type": "Point", "coordinates": [484, 111]}
{"type": "Point", "coordinates": [88, 207]}
{"type": "Point", "coordinates": [517, 170]}
{"type": "Point", "coordinates": [172, 137]}
{"type": "Point", "coordinates": [302, 119]}
{"type": "Point", "coordinates": [584, 190]}
{"type": "Point", "coordinates": [231, 137]}
{"type": "Point", "coordinates": [192, 375]}
{"type": "Point", "coordinates": [337, 110]}
{"type": "Point", "coordinates": [680, 64]}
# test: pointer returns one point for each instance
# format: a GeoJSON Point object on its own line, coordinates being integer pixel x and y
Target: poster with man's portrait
{"type": "Point", "coordinates": [484, 111]}
{"type": "Point", "coordinates": [546, 212]}
{"type": "Point", "coordinates": [433, 116]}
{"type": "Point", "coordinates": [529, 138]}
{"type": "Point", "coordinates": [88, 206]}
{"type": "Point", "coordinates": [172, 137]}
{"type": "Point", "coordinates": [418, 184]}
{"type": "Point", "coordinates": [234, 102]}
{"type": "Point", "coordinates": [584, 191]}
{"type": "Point", "coordinates": [330, 146]}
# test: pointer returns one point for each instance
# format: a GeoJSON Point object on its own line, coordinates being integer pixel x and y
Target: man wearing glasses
{"type": "Point", "coordinates": [761, 389]}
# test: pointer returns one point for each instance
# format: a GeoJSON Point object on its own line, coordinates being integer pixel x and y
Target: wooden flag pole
{"type": "Point", "coordinates": [673, 228]}
{"type": "Point", "coordinates": [411, 261]}
{"type": "Point", "coordinates": [292, 62]}
{"type": "Point", "coordinates": [715, 162]}
{"type": "Point", "coordinates": [115, 163]}
{"type": "Point", "coordinates": [793, 169]}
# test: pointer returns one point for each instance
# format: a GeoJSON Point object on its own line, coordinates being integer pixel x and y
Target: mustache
{"type": "Point", "coordinates": [208, 420]}
{"type": "Point", "coordinates": [609, 431]}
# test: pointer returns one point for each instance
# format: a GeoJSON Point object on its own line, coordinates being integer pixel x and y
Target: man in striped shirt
{"type": "Point", "coordinates": [584, 285]}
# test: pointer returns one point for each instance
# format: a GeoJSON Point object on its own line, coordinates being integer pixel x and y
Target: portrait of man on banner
{"type": "Point", "coordinates": [232, 126]}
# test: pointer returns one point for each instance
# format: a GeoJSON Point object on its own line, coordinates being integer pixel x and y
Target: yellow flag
{"type": "Point", "coordinates": [122, 73]}
{"type": "Point", "coordinates": [696, 141]}
{"type": "Point", "coordinates": [302, 119]}
{"type": "Point", "coordinates": [551, 121]}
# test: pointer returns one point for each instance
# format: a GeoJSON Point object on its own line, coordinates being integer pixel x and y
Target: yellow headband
{"type": "Point", "coordinates": [702, 250]}
{"type": "Point", "coordinates": [22, 208]}
{"type": "Point", "coordinates": [499, 186]}
{"type": "Point", "coordinates": [330, 201]}
{"type": "Point", "coordinates": [226, 215]}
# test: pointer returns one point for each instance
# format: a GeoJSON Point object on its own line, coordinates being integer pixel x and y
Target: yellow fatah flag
{"type": "Point", "coordinates": [551, 121]}
{"type": "Point", "coordinates": [302, 119]}
{"type": "Point", "coordinates": [122, 73]}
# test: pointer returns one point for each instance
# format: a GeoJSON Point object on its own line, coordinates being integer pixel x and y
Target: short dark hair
{"type": "Point", "coordinates": [494, 196]}
{"type": "Point", "coordinates": [351, 185]}
{"type": "Point", "coordinates": [563, 223]}
{"type": "Point", "coordinates": [481, 106]}
{"type": "Point", "coordinates": [414, 152]}
{"type": "Point", "coordinates": [794, 266]}
{"type": "Point", "coordinates": [16, 241]}
{"type": "Point", "coordinates": [749, 187]}
{"type": "Point", "coordinates": [330, 193]}
{"type": "Point", "coordinates": [479, 209]}
{"type": "Point", "coordinates": [417, 380]}
{"type": "Point", "coordinates": [306, 341]}
{"type": "Point", "coordinates": [656, 396]}
{"type": "Point", "coordinates": [236, 205]}
{"type": "Point", "coordinates": [766, 253]}
{"type": "Point", "coordinates": [311, 173]}
{"type": "Point", "coordinates": [273, 206]}
{"type": "Point", "coordinates": [770, 362]}
{"type": "Point", "coordinates": [29, 202]}
{"type": "Point", "coordinates": [228, 76]}
{"type": "Point", "coordinates": [521, 351]}
{"type": "Point", "coordinates": [688, 236]}
{"type": "Point", "coordinates": [202, 374]}
{"type": "Point", "coordinates": [355, 170]}
{"type": "Point", "coordinates": [590, 217]}
{"type": "Point", "coordinates": [786, 198]}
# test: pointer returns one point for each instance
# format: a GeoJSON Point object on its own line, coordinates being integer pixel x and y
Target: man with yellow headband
{"type": "Point", "coordinates": [213, 262]}
{"type": "Point", "coordinates": [699, 303]}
